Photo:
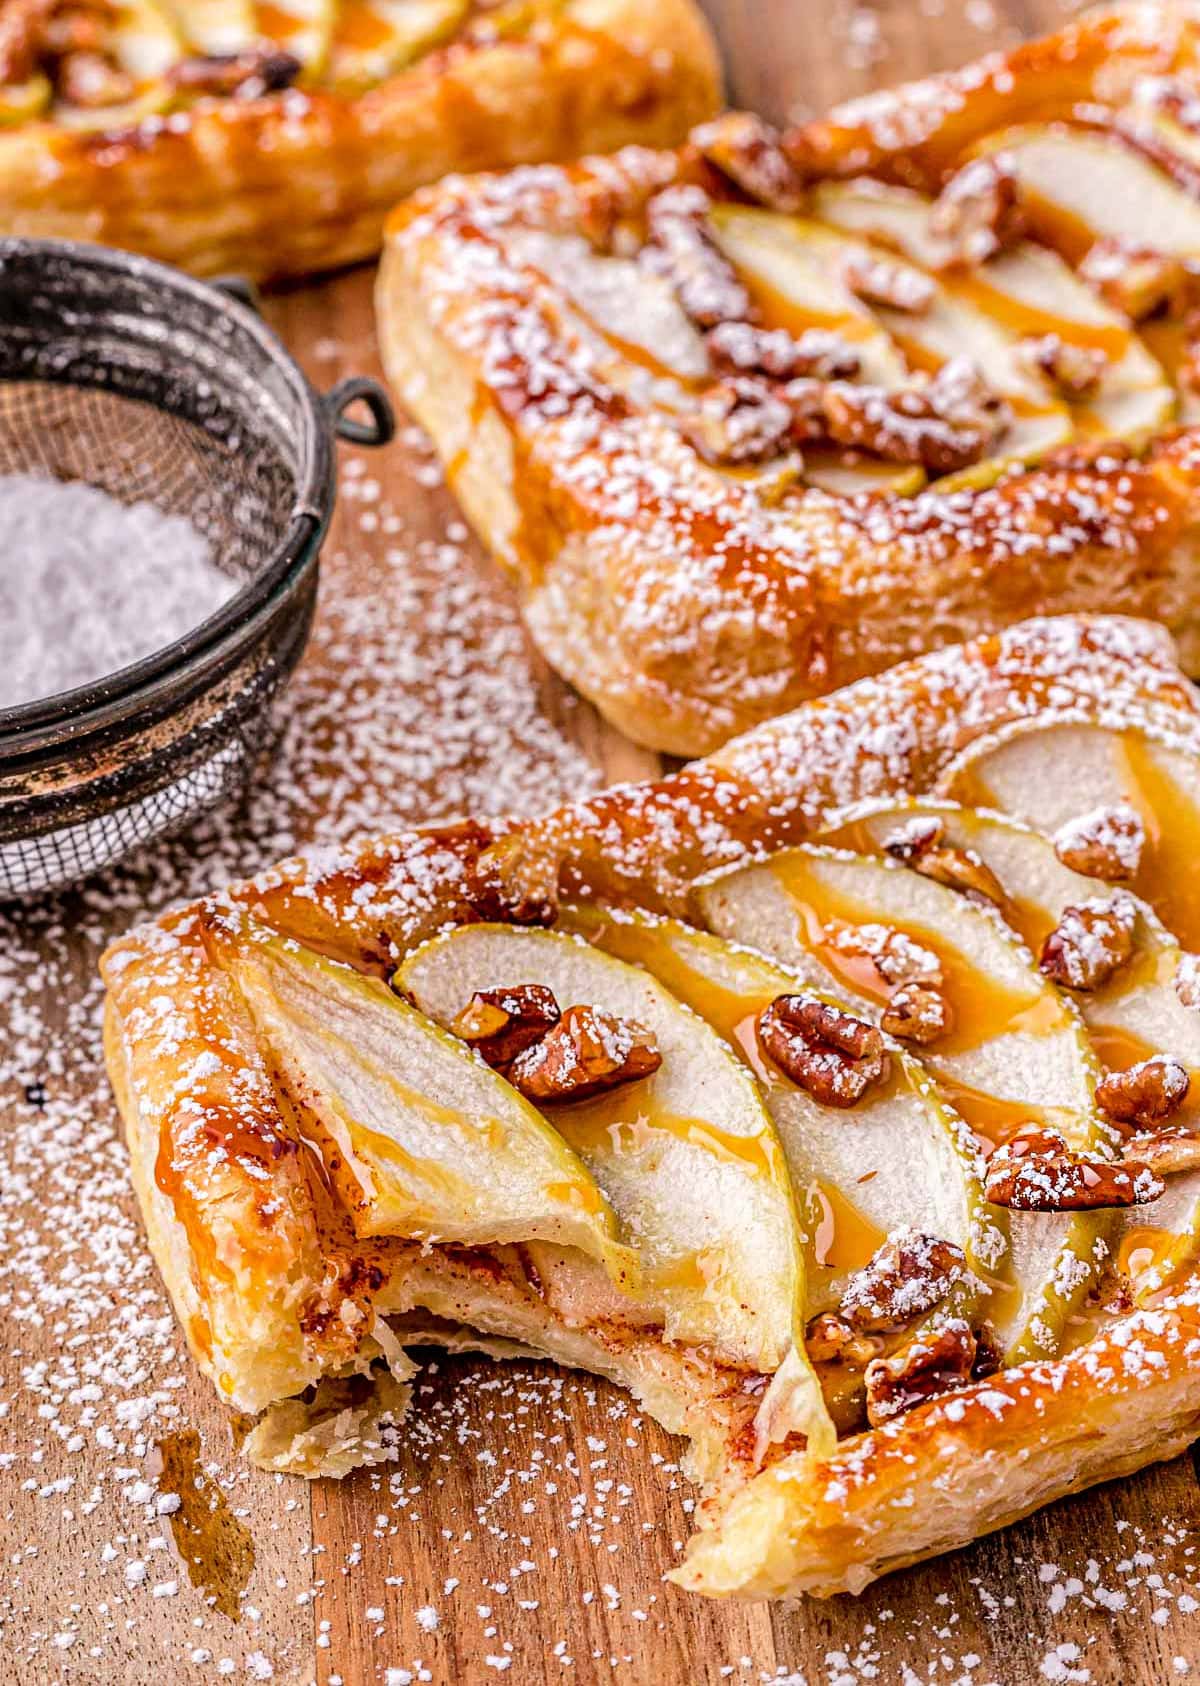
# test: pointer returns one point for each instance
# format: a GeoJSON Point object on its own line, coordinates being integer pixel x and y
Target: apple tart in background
{"type": "Point", "coordinates": [752, 418]}
{"type": "Point", "coordinates": [271, 140]}
{"type": "Point", "coordinates": [838, 1096]}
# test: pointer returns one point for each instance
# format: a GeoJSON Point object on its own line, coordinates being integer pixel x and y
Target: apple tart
{"type": "Point", "coordinates": [271, 140]}
{"type": "Point", "coordinates": [752, 418]}
{"type": "Point", "coordinates": [838, 1095]}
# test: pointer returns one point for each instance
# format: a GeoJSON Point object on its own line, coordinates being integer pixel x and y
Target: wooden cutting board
{"type": "Point", "coordinates": [525, 1529]}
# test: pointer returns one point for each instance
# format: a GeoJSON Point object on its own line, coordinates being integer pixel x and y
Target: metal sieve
{"type": "Point", "coordinates": [139, 380]}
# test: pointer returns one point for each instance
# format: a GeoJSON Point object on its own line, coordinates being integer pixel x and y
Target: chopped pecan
{"type": "Point", "coordinates": [944, 424]}
{"type": "Point", "coordinates": [1187, 981]}
{"type": "Point", "coordinates": [881, 280]}
{"type": "Point", "coordinates": [747, 150]}
{"type": "Point", "coordinates": [1164, 1152]}
{"type": "Point", "coordinates": [933, 1363]}
{"type": "Point", "coordinates": [1075, 370]}
{"type": "Point", "coordinates": [705, 282]}
{"type": "Point", "coordinates": [830, 1339]}
{"type": "Point", "coordinates": [587, 1053]}
{"type": "Point", "coordinates": [1037, 1172]}
{"type": "Point", "coordinates": [917, 1012]}
{"type": "Point", "coordinates": [743, 349]}
{"type": "Point", "coordinates": [246, 75]}
{"type": "Point", "coordinates": [897, 957]}
{"type": "Point", "coordinates": [1138, 281]}
{"type": "Point", "coordinates": [22, 23]}
{"type": "Point", "coordinates": [92, 80]}
{"type": "Point", "coordinates": [919, 845]}
{"type": "Point", "coordinates": [492, 898]}
{"type": "Point", "coordinates": [833, 1056]}
{"type": "Point", "coordinates": [906, 1277]}
{"type": "Point", "coordinates": [738, 421]}
{"type": "Point", "coordinates": [1147, 1093]}
{"type": "Point", "coordinates": [978, 212]}
{"type": "Point", "coordinates": [501, 1023]}
{"type": "Point", "coordinates": [1090, 943]}
{"type": "Point", "coordinates": [1106, 842]}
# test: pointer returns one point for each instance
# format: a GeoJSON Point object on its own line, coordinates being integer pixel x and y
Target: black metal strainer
{"type": "Point", "coordinates": [136, 379]}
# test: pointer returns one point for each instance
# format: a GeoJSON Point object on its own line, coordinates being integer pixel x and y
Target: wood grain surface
{"type": "Point", "coordinates": [524, 1531]}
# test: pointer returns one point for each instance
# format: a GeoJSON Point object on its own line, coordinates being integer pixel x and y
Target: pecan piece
{"type": "Point", "coordinates": [501, 1023]}
{"type": "Point", "coordinates": [747, 150]}
{"type": "Point", "coordinates": [1147, 1093]}
{"type": "Point", "coordinates": [743, 349]}
{"type": "Point", "coordinates": [1075, 370]}
{"type": "Point", "coordinates": [830, 1339]}
{"type": "Point", "coordinates": [906, 1277]}
{"type": "Point", "coordinates": [1106, 842]}
{"type": "Point", "coordinates": [738, 421]}
{"type": "Point", "coordinates": [1090, 943]}
{"type": "Point", "coordinates": [1137, 280]}
{"type": "Point", "coordinates": [917, 1012]}
{"type": "Point", "coordinates": [978, 212]}
{"type": "Point", "coordinates": [705, 282]}
{"type": "Point", "coordinates": [879, 280]}
{"type": "Point", "coordinates": [919, 845]}
{"type": "Point", "coordinates": [92, 80]}
{"type": "Point", "coordinates": [931, 1364]}
{"type": "Point", "coordinates": [945, 423]}
{"type": "Point", "coordinates": [1187, 981]}
{"type": "Point", "coordinates": [831, 1055]}
{"type": "Point", "coordinates": [246, 75]}
{"type": "Point", "coordinates": [1037, 1172]}
{"type": "Point", "coordinates": [897, 957]}
{"type": "Point", "coordinates": [587, 1053]}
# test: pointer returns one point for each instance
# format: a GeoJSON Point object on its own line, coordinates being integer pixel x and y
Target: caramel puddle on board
{"type": "Point", "coordinates": [216, 1547]}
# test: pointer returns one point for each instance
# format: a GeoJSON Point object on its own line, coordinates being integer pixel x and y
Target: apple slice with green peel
{"type": "Point", "coordinates": [1078, 187]}
{"type": "Point", "coordinates": [688, 1156]}
{"type": "Point", "coordinates": [792, 271]}
{"type": "Point", "coordinates": [21, 102]}
{"type": "Point", "coordinates": [902, 1159]}
{"type": "Point", "coordinates": [1047, 775]}
{"type": "Point", "coordinates": [374, 39]}
{"type": "Point", "coordinates": [1017, 1050]}
{"type": "Point", "coordinates": [435, 1146]}
{"type": "Point", "coordinates": [141, 37]}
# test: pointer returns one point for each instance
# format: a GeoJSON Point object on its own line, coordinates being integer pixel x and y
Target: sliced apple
{"type": "Point", "coordinates": [894, 217]}
{"type": "Point", "coordinates": [428, 1142]}
{"type": "Point", "coordinates": [1017, 1050]}
{"type": "Point", "coordinates": [21, 102]}
{"type": "Point", "coordinates": [216, 26]}
{"type": "Point", "coordinates": [1048, 775]}
{"type": "Point", "coordinates": [141, 38]}
{"type": "Point", "coordinates": [374, 39]}
{"type": "Point", "coordinates": [903, 1160]}
{"type": "Point", "coordinates": [688, 1157]}
{"type": "Point", "coordinates": [848, 476]}
{"type": "Point", "coordinates": [1078, 187]}
{"type": "Point", "coordinates": [791, 269]}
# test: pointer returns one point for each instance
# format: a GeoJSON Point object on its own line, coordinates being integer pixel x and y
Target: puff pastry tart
{"type": "Point", "coordinates": [272, 139]}
{"type": "Point", "coordinates": [838, 1096]}
{"type": "Point", "coordinates": [753, 418]}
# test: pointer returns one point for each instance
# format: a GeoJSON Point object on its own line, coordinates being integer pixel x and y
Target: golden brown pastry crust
{"type": "Point", "coordinates": [272, 1289]}
{"type": "Point", "coordinates": [297, 182]}
{"type": "Point", "coordinates": [684, 607]}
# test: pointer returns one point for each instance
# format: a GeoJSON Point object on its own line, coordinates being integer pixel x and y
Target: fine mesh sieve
{"type": "Point", "coordinates": [149, 385]}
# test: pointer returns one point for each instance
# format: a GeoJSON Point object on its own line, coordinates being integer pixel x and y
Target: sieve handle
{"type": "Point", "coordinates": [241, 288]}
{"type": "Point", "coordinates": [360, 389]}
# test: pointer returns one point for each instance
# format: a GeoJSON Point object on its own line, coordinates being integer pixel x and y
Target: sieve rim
{"type": "Point", "coordinates": [55, 721]}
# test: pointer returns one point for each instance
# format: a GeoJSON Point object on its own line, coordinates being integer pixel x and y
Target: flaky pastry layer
{"type": "Point", "coordinates": [298, 182]}
{"type": "Point", "coordinates": [274, 1289]}
{"type": "Point", "coordinates": [682, 603]}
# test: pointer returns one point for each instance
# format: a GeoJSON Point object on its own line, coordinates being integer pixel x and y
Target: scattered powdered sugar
{"type": "Point", "coordinates": [89, 585]}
